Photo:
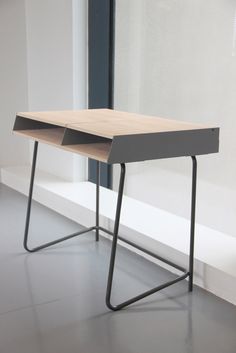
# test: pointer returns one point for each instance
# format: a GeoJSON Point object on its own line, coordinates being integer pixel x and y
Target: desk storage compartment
{"type": "Point", "coordinates": [89, 145]}
{"type": "Point", "coordinates": [37, 130]}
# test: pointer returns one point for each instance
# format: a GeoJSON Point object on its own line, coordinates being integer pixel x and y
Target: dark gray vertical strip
{"type": "Point", "coordinates": [112, 53]}
{"type": "Point", "coordinates": [101, 23]}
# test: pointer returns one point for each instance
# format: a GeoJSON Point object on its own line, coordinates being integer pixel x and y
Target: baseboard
{"type": "Point", "coordinates": [152, 228]}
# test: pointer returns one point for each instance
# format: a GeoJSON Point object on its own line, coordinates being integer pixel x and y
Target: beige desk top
{"type": "Point", "coordinates": [117, 136]}
{"type": "Point", "coordinates": [110, 123]}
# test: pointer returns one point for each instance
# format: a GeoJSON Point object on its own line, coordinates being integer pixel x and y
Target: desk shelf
{"type": "Point", "coordinates": [88, 145]}
{"type": "Point", "coordinates": [97, 151]}
{"type": "Point", "coordinates": [52, 136]}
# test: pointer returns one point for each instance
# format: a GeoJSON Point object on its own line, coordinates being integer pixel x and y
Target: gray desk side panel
{"type": "Point", "coordinates": [134, 148]}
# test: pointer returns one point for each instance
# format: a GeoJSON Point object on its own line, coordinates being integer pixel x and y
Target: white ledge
{"type": "Point", "coordinates": [215, 252]}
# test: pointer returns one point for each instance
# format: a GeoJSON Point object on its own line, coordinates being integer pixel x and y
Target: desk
{"type": "Point", "coordinates": [112, 137]}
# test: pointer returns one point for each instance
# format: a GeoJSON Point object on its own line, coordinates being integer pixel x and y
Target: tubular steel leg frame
{"type": "Point", "coordinates": [29, 212]}
{"type": "Point", "coordinates": [186, 273]}
{"type": "Point", "coordinates": [97, 227]}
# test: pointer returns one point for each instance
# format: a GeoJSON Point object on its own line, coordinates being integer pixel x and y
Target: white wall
{"type": "Point", "coordinates": [43, 66]}
{"type": "Point", "coordinates": [56, 48]}
{"type": "Point", "coordinates": [174, 59]}
{"type": "Point", "coordinates": [13, 80]}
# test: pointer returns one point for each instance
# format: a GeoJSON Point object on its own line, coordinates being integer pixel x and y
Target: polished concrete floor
{"type": "Point", "coordinates": [53, 301]}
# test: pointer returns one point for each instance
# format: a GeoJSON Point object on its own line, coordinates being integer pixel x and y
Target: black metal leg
{"type": "Point", "coordinates": [187, 273]}
{"type": "Point", "coordinates": [27, 222]}
{"type": "Point", "coordinates": [115, 238]}
{"type": "Point", "coordinates": [97, 200]}
{"type": "Point", "coordinates": [192, 226]}
{"type": "Point", "coordinates": [30, 195]}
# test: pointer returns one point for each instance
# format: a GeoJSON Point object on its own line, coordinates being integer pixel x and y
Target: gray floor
{"type": "Point", "coordinates": [53, 301]}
